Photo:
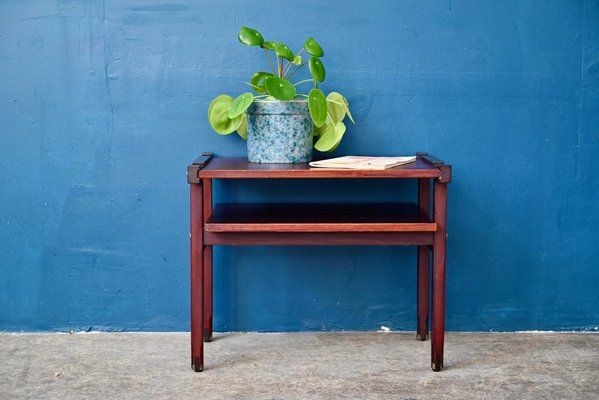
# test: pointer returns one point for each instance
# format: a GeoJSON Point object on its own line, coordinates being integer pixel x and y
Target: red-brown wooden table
{"type": "Point", "coordinates": [319, 224]}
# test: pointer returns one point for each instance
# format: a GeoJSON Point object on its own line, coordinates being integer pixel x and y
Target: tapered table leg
{"type": "Point", "coordinates": [197, 277]}
{"type": "Point", "coordinates": [422, 301]}
{"type": "Point", "coordinates": [438, 320]}
{"type": "Point", "coordinates": [208, 294]}
{"type": "Point", "coordinates": [207, 211]}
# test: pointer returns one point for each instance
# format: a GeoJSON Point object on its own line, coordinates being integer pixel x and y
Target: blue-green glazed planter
{"type": "Point", "coordinates": [279, 132]}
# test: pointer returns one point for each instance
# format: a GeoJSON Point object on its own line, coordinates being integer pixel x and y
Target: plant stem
{"type": "Point", "coordinates": [287, 68]}
{"type": "Point", "coordinates": [296, 70]}
{"type": "Point", "coordinates": [281, 68]}
{"type": "Point", "coordinates": [305, 80]}
{"type": "Point", "coordinates": [290, 64]}
{"type": "Point", "coordinates": [254, 87]}
{"type": "Point", "coordinates": [331, 118]}
{"type": "Point", "coordinates": [269, 61]}
{"type": "Point", "coordinates": [278, 66]}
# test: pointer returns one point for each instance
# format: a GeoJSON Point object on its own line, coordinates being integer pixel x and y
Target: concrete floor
{"type": "Point", "coordinates": [299, 366]}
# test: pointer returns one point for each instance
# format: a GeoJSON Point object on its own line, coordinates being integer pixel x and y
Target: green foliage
{"type": "Point", "coordinates": [313, 48]}
{"type": "Point", "coordinates": [242, 131]}
{"type": "Point", "coordinates": [318, 107]}
{"type": "Point", "coordinates": [269, 45]}
{"type": "Point", "coordinates": [250, 37]}
{"type": "Point", "coordinates": [330, 137]}
{"type": "Point", "coordinates": [317, 69]}
{"type": "Point", "coordinates": [240, 104]}
{"type": "Point", "coordinates": [331, 133]}
{"type": "Point", "coordinates": [227, 115]}
{"type": "Point", "coordinates": [284, 52]}
{"type": "Point", "coordinates": [218, 115]}
{"type": "Point", "coordinates": [338, 107]}
{"type": "Point", "coordinates": [257, 81]}
{"type": "Point", "coordinates": [279, 88]}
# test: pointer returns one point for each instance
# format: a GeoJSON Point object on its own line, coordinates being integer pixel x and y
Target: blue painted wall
{"type": "Point", "coordinates": [103, 103]}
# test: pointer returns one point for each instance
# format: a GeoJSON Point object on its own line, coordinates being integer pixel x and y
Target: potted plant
{"type": "Point", "coordinates": [280, 124]}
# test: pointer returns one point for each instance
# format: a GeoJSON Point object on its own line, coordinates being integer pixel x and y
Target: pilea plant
{"type": "Point", "coordinates": [227, 115]}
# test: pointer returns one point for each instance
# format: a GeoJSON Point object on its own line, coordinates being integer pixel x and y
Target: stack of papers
{"type": "Point", "coordinates": [357, 162]}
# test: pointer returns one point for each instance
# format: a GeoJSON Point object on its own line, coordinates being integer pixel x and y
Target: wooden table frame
{"type": "Point", "coordinates": [253, 225]}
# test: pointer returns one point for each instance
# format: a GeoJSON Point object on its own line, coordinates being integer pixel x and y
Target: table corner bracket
{"type": "Point", "coordinates": [445, 173]}
{"type": "Point", "coordinates": [194, 168]}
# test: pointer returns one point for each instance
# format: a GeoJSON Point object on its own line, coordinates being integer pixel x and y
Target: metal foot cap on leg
{"type": "Point", "coordinates": [421, 338]}
{"type": "Point", "coordinates": [437, 366]}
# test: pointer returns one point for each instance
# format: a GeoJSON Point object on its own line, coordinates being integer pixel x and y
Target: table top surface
{"type": "Point", "coordinates": [224, 167]}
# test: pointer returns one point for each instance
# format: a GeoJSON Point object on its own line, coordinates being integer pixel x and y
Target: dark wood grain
{"type": "Point", "coordinates": [423, 295]}
{"type": "Point", "coordinates": [318, 238]}
{"type": "Point", "coordinates": [318, 217]}
{"type": "Point", "coordinates": [445, 173]}
{"type": "Point", "coordinates": [430, 159]}
{"type": "Point", "coordinates": [438, 314]}
{"type": "Point", "coordinates": [371, 224]}
{"type": "Point", "coordinates": [197, 276]}
{"type": "Point", "coordinates": [240, 168]}
{"type": "Point", "coordinates": [203, 159]}
{"type": "Point", "coordinates": [207, 213]}
{"type": "Point", "coordinates": [322, 227]}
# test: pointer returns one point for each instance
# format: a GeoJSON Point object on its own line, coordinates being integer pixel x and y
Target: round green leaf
{"type": "Point", "coordinates": [317, 69]}
{"type": "Point", "coordinates": [336, 106]}
{"type": "Point", "coordinates": [240, 104]}
{"type": "Point", "coordinates": [250, 37]}
{"type": "Point", "coordinates": [313, 48]}
{"type": "Point", "coordinates": [258, 81]}
{"type": "Point", "coordinates": [330, 137]}
{"type": "Point", "coordinates": [279, 88]}
{"type": "Point", "coordinates": [316, 131]}
{"type": "Point", "coordinates": [335, 146]}
{"type": "Point", "coordinates": [269, 45]}
{"type": "Point", "coordinates": [218, 115]}
{"type": "Point", "coordinates": [347, 109]}
{"type": "Point", "coordinates": [243, 128]}
{"type": "Point", "coordinates": [318, 107]}
{"type": "Point", "coordinates": [297, 60]}
{"type": "Point", "coordinates": [284, 51]}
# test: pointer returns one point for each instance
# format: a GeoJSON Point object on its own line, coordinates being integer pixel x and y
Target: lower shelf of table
{"type": "Point", "coordinates": [318, 239]}
{"type": "Point", "coordinates": [319, 224]}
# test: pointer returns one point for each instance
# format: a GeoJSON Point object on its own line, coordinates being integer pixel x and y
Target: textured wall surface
{"type": "Point", "coordinates": [103, 103]}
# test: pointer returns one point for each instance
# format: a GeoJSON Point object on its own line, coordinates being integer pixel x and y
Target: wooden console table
{"type": "Point", "coordinates": [319, 224]}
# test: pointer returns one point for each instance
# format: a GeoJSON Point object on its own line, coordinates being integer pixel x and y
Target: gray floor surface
{"type": "Point", "coordinates": [299, 366]}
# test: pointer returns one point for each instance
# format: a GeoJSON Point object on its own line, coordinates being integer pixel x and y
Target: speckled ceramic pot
{"type": "Point", "coordinates": [279, 132]}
